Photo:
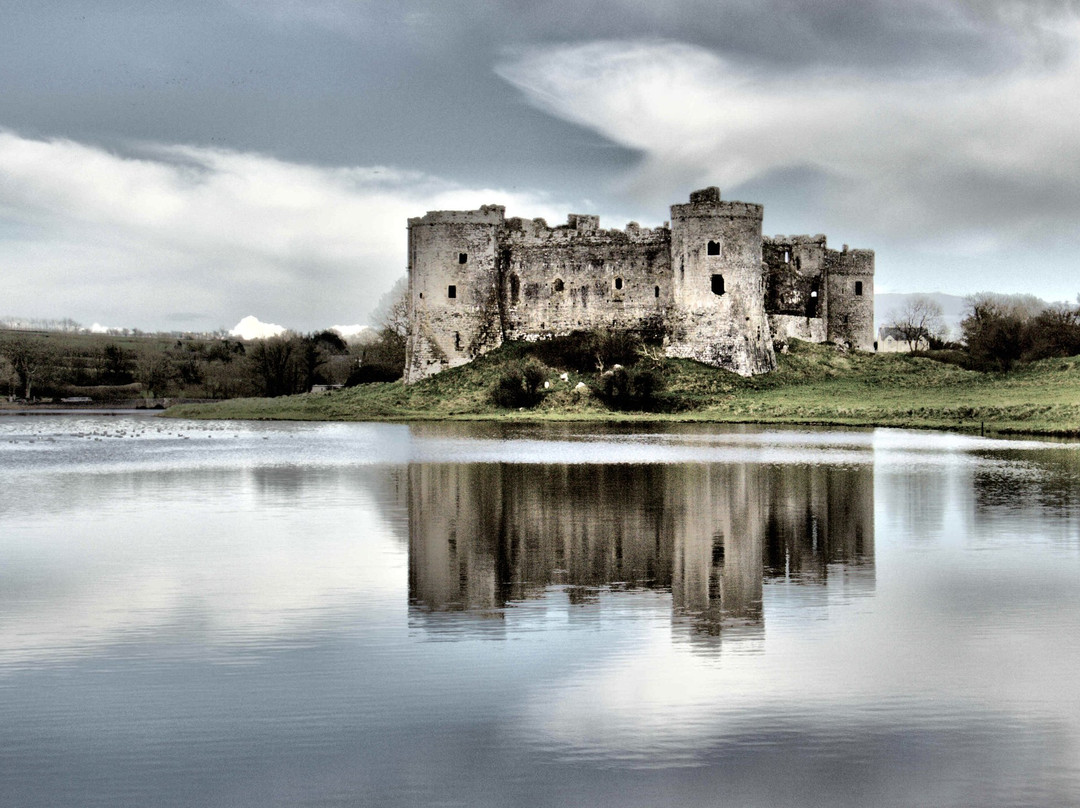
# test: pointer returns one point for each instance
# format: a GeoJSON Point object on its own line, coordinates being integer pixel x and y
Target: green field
{"type": "Point", "coordinates": [815, 384]}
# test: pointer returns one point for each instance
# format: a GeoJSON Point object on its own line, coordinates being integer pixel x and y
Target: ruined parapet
{"type": "Point", "coordinates": [850, 292]}
{"type": "Point", "coordinates": [577, 276]}
{"type": "Point", "coordinates": [718, 291]}
{"type": "Point", "coordinates": [453, 290]}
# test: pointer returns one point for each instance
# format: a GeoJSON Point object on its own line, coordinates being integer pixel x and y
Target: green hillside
{"type": "Point", "coordinates": [815, 384]}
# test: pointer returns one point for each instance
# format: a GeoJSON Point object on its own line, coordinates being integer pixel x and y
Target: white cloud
{"type": "Point", "coordinates": [177, 236]}
{"type": "Point", "coordinates": [992, 160]}
{"type": "Point", "coordinates": [251, 327]}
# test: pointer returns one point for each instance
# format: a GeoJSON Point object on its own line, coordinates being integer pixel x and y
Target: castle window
{"type": "Point", "coordinates": [713, 248]}
{"type": "Point", "coordinates": [656, 292]}
{"type": "Point", "coordinates": [515, 289]}
{"type": "Point", "coordinates": [718, 284]}
{"type": "Point", "coordinates": [618, 283]}
{"type": "Point", "coordinates": [858, 288]}
{"type": "Point", "coordinates": [787, 256]}
{"type": "Point", "coordinates": [462, 258]}
{"type": "Point", "coordinates": [558, 285]}
{"type": "Point", "coordinates": [451, 291]}
{"type": "Point", "coordinates": [457, 340]}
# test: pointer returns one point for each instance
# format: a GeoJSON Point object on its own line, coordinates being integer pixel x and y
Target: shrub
{"type": "Point", "coordinates": [636, 388]}
{"type": "Point", "coordinates": [519, 386]}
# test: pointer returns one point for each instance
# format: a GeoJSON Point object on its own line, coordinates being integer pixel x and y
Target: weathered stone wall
{"type": "Point", "coordinates": [557, 280]}
{"type": "Point", "coordinates": [453, 295]}
{"type": "Point", "coordinates": [718, 288]}
{"type": "Point", "coordinates": [790, 326]}
{"type": "Point", "coordinates": [850, 292]}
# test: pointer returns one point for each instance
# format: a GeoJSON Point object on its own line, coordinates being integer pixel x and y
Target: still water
{"type": "Point", "coordinates": [222, 614]}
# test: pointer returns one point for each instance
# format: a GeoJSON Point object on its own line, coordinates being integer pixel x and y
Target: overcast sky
{"type": "Point", "coordinates": [179, 165]}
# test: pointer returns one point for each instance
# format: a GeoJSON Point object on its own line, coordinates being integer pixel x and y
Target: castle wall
{"type": "Point", "coordinates": [557, 280]}
{"type": "Point", "coordinates": [785, 327]}
{"type": "Point", "coordinates": [794, 280]}
{"type": "Point", "coordinates": [718, 289]}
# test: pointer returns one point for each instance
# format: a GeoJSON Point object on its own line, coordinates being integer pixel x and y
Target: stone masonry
{"type": "Point", "coordinates": [707, 283]}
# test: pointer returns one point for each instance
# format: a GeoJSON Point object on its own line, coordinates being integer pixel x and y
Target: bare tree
{"type": "Point", "coordinates": [392, 310]}
{"type": "Point", "coordinates": [920, 318]}
{"type": "Point", "coordinates": [32, 359]}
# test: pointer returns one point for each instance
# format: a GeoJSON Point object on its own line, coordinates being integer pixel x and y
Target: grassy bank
{"type": "Point", "coordinates": [814, 385]}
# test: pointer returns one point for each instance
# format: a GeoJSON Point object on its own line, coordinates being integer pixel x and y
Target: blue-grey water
{"type": "Point", "coordinates": [223, 614]}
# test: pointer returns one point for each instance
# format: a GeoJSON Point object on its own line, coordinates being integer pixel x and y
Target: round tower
{"type": "Point", "coordinates": [718, 289]}
{"type": "Point", "coordinates": [850, 297]}
{"type": "Point", "coordinates": [453, 290]}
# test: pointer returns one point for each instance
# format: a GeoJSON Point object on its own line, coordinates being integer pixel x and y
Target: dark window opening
{"type": "Point", "coordinates": [714, 248]}
{"type": "Point", "coordinates": [811, 307]}
{"type": "Point", "coordinates": [718, 284]}
{"type": "Point", "coordinates": [656, 292]}
{"type": "Point", "coordinates": [421, 295]}
{"type": "Point", "coordinates": [515, 289]}
{"type": "Point", "coordinates": [618, 283]}
{"type": "Point", "coordinates": [462, 258]}
{"type": "Point", "coordinates": [558, 285]}
{"type": "Point", "coordinates": [451, 291]}
{"type": "Point", "coordinates": [798, 262]}
{"type": "Point", "coordinates": [858, 287]}
{"type": "Point", "coordinates": [457, 340]}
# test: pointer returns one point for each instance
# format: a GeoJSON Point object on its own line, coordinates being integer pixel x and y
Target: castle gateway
{"type": "Point", "coordinates": [709, 284]}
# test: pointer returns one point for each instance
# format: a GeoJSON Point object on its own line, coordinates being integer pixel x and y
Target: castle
{"type": "Point", "coordinates": [707, 282]}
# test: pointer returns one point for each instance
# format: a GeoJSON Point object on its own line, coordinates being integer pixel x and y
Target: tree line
{"type": "Point", "coordinates": [997, 332]}
{"type": "Point", "coordinates": [43, 365]}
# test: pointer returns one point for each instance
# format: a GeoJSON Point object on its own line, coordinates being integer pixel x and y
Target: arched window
{"type": "Point", "coordinates": [713, 248]}
{"type": "Point", "coordinates": [656, 292]}
{"type": "Point", "coordinates": [718, 284]}
{"type": "Point", "coordinates": [558, 285]}
{"type": "Point", "coordinates": [618, 283]}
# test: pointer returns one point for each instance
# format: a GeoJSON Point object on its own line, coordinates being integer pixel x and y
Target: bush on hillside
{"type": "Point", "coordinates": [635, 388]}
{"type": "Point", "coordinates": [519, 386]}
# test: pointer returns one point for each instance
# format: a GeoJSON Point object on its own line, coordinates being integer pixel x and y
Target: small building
{"type": "Point", "coordinates": [892, 340]}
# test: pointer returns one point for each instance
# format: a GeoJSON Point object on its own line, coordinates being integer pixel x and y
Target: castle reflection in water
{"type": "Point", "coordinates": [485, 536]}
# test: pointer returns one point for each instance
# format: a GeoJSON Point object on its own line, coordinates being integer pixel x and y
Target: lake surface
{"type": "Point", "coordinates": [223, 614]}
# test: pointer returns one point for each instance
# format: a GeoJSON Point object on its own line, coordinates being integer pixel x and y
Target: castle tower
{"type": "Point", "coordinates": [850, 294]}
{"type": "Point", "coordinates": [453, 289]}
{"type": "Point", "coordinates": [718, 287]}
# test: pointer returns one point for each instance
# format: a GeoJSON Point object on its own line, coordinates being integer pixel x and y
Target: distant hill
{"type": "Point", "coordinates": [954, 307]}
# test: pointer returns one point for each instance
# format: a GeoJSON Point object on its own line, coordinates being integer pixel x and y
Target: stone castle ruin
{"type": "Point", "coordinates": [707, 283]}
